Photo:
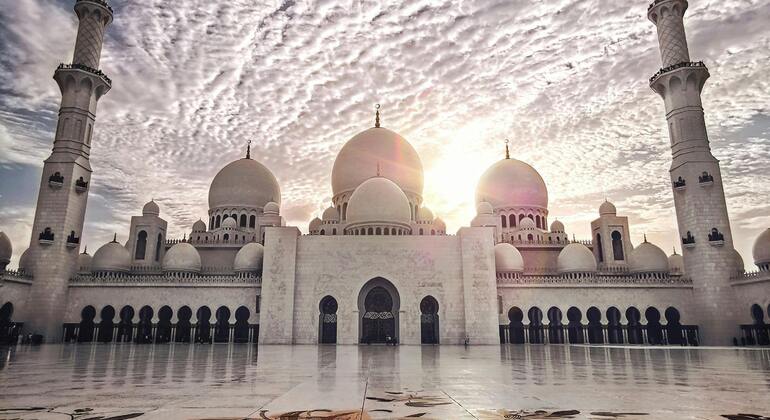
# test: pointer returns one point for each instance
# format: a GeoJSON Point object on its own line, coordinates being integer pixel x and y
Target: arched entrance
{"type": "Point", "coordinates": [328, 320]}
{"type": "Point", "coordinates": [378, 304]}
{"type": "Point", "coordinates": [429, 332]}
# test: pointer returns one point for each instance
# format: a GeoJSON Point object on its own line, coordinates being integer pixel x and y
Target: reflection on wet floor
{"type": "Point", "coordinates": [244, 381]}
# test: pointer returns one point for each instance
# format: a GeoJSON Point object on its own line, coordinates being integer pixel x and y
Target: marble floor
{"type": "Point", "coordinates": [179, 381]}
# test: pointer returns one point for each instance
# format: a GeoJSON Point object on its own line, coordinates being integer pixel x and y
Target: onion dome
{"type": "Point", "coordinates": [112, 257]}
{"type": "Point", "coordinates": [557, 227]}
{"type": "Point", "coordinates": [84, 262]}
{"type": "Point", "coordinates": [527, 223]}
{"type": "Point", "coordinates": [647, 258]}
{"type": "Point", "coordinates": [512, 183]}
{"type": "Point", "coordinates": [484, 208]}
{"type": "Point", "coordinates": [761, 249]}
{"type": "Point", "coordinates": [330, 215]}
{"type": "Point", "coordinates": [378, 200]}
{"type": "Point", "coordinates": [272, 208]}
{"type": "Point", "coordinates": [182, 258]}
{"type": "Point", "coordinates": [25, 264]}
{"type": "Point", "coordinates": [6, 249]}
{"type": "Point", "coordinates": [249, 258]}
{"type": "Point", "coordinates": [244, 183]}
{"type": "Point", "coordinates": [576, 258]}
{"type": "Point", "coordinates": [440, 225]}
{"type": "Point", "coordinates": [675, 263]}
{"type": "Point", "coordinates": [607, 208]}
{"type": "Point", "coordinates": [740, 268]}
{"type": "Point", "coordinates": [374, 148]}
{"type": "Point", "coordinates": [315, 224]}
{"type": "Point", "coordinates": [229, 223]}
{"type": "Point", "coordinates": [424, 215]}
{"type": "Point", "coordinates": [508, 258]}
{"type": "Point", "coordinates": [199, 226]}
{"type": "Point", "coordinates": [151, 209]}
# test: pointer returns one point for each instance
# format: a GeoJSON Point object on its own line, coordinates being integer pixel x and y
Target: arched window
{"type": "Point", "coordinates": [537, 221]}
{"type": "Point", "coordinates": [334, 231]}
{"type": "Point", "coordinates": [420, 231]}
{"type": "Point", "coordinates": [617, 246]}
{"type": "Point", "coordinates": [530, 237]}
{"type": "Point", "coordinates": [141, 245]}
{"type": "Point", "coordinates": [345, 211]}
{"type": "Point", "coordinates": [503, 221]}
{"type": "Point", "coordinates": [378, 231]}
{"type": "Point", "coordinates": [235, 217]}
{"type": "Point", "coordinates": [322, 232]}
{"type": "Point", "coordinates": [219, 221]}
{"type": "Point", "coordinates": [252, 221]}
{"type": "Point", "coordinates": [370, 231]}
{"type": "Point", "coordinates": [512, 220]}
{"type": "Point", "coordinates": [521, 217]}
{"type": "Point", "coordinates": [211, 225]}
{"type": "Point", "coordinates": [432, 231]}
{"type": "Point", "coordinates": [226, 237]}
{"type": "Point", "coordinates": [599, 248]}
{"type": "Point", "coordinates": [243, 220]}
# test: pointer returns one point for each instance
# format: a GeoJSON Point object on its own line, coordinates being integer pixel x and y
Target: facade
{"type": "Point", "coordinates": [378, 266]}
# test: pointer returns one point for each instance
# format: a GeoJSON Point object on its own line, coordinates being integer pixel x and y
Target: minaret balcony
{"type": "Point", "coordinates": [81, 185]}
{"type": "Point", "coordinates": [46, 237]}
{"type": "Point", "coordinates": [684, 64]}
{"type": "Point", "coordinates": [80, 67]}
{"type": "Point", "coordinates": [680, 184]}
{"type": "Point", "coordinates": [56, 180]}
{"type": "Point", "coordinates": [99, 2]}
{"type": "Point", "coordinates": [688, 241]}
{"type": "Point", "coordinates": [705, 180]}
{"type": "Point", "coordinates": [73, 241]}
{"type": "Point", "coordinates": [716, 238]}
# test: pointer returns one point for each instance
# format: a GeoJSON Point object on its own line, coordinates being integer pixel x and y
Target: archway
{"type": "Point", "coordinates": [126, 324]}
{"type": "Point", "coordinates": [535, 316]}
{"type": "Point", "coordinates": [86, 330]}
{"type": "Point", "coordinates": [328, 320]}
{"type": "Point", "coordinates": [516, 327]}
{"type": "Point", "coordinates": [634, 326]}
{"type": "Point", "coordinates": [555, 330]}
{"type": "Point", "coordinates": [163, 334]}
{"type": "Point", "coordinates": [106, 325]}
{"type": "Point", "coordinates": [614, 328]}
{"type": "Point", "coordinates": [758, 315]}
{"type": "Point", "coordinates": [654, 329]}
{"type": "Point", "coordinates": [203, 329]}
{"type": "Point", "coordinates": [575, 325]}
{"type": "Point", "coordinates": [378, 304]}
{"type": "Point", "coordinates": [183, 326]}
{"type": "Point", "coordinates": [673, 327]}
{"type": "Point", "coordinates": [222, 330]}
{"type": "Point", "coordinates": [144, 329]}
{"type": "Point", "coordinates": [6, 325]}
{"type": "Point", "coordinates": [429, 327]}
{"type": "Point", "coordinates": [241, 329]}
{"type": "Point", "coordinates": [595, 330]}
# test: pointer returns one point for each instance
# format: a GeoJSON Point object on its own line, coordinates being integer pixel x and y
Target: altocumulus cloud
{"type": "Point", "coordinates": [566, 81]}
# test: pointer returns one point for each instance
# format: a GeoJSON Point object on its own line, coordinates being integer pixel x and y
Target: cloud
{"type": "Point", "coordinates": [566, 81]}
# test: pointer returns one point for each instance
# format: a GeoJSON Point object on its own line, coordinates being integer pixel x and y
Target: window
{"type": "Point", "coordinates": [345, 211]}
{"type": "Point", "coordinates": [243, 220]}
{"type": "Point", "coordinates": [252, 221]}
{"type": "Point", "coordinates": [537, 221]}
{"type": "Point", "coordinates": [219, 221]}
{"type": "Point", "coordinates": [599, 248]}
{"type": "Point", "coordinates": [226, 237]}
{"type": "Point", "coordinates": [158, 247]}
{"type": "Point", "coordinates": [512, 220]}
{"type": "Point", "coordinates": [503, 221]}
{"type": "Point", "coordinates": [617, 246]}
{"type": "Point", "coordinates": [322, 232]}
{"type": "Point", "coordinates": [334, 231]}
{"type": "Point", "coordinates": [420, 231]}
{"type": "Point", "coordinates": [141, 245]}
{"type": "Point", "coordinates": [370, 231]}
{"type": "Point", "coordinates": [378, 231]}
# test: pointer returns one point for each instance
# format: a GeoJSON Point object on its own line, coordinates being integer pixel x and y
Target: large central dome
{"type": "Point", "coordinates": [377, 147]}
{"type": "Point", "coordinates": [512, 183]}
{"type": "Point", "coordinates": [244, 183]}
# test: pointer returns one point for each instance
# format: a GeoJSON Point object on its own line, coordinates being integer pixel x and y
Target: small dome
{"type": "Point", "coordinates": [484, 208]}
{"type": "Point", "coordinates": [330, 215]}
{"type": "Point", "coordinates": [557, 227]}
{"type": "Point", "coordinates": [315, 224]}
{"type": "Point", "coordinates": [360, 157]}
{"type": "Point", "coordinates": [607, 208]}
{"type": "Point", "coordinates": [647, 258]}
{"type": "Point", "coordinates": [182, 258]}
{"type": "Point", "coordinates": [151, 209]}
{"type": "Point", "coordinates": [424, 214]}
{"type": "Point", "coordinates": [84, 263]}
{"type": "Point", "coordinates": [576, 258]}
{"type": "Point", "coordinates": [111, 257]}
{"type": "Point", "coordinates": [271, 208]}
{"type": "Point", "coordinates": [740, 267]}
{"type": "Point", "coordinates": [199, 226]}
{"type": "Point", "coordinates": [439, 223]}
{"type": "Point", "coordinates": [761, 249]}
{"type": "Point", "coordinates": [675, 264]}
{"type": "Point", "coordinates": [6, 249]}
{"type": "Point", "coordinates": [249, 258]}
{"type": "Point", "coordinates": [25, 264]}
{"type": "Point", "coordinates": [379, 199]}
{"type": "Point", "coordinates": [508, 258]}
{"type": "Point", "coordinates": [244, 183]}
{"type": "Point", "coordinates": [527, 223]}
{"type": "Point", "coordinates": [512, 183]}
{"type": "Point", "coordinates": [229, 223]}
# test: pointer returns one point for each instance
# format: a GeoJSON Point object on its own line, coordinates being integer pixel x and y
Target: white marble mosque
{"type": "Point", "coordinates": [379, 265]}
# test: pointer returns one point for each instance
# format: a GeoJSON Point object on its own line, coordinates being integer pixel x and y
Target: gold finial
{"type": "Point", "coordinates": [248, 149]}
{"type": "Point", "coordinates": [507, 152]}
{"type": "Point", "coordinates": [377, 115]}
{"type": "Point", "coordinates": [114, 237]}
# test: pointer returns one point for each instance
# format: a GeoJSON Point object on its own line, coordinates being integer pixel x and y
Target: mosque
{"type": "Point", "coordinates": [379, 266]}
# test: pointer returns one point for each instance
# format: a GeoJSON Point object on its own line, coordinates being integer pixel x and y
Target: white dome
{"type": "Point", "coordinates": [676, 264]}
{"type": "Point", "coordinates": [6, 249]}
{"type": "Point", "coordinates": [576, 258]}
{"type": "Point", "coordinates": [740, 267]}
{"type": "Point", "coordinates": [271, 208]}
{"type": "Point", "coordinates": [330, 215]}
{"type": "Point", "coordinates": [607, 208]}
{"type": "Point", "coordinates": [249, 258]}
{"type": "Point", "coordinates": [527, 223]}
{"type": "Point", "coordinates": [508, 258]}
{"type": "Point", "coordinates": [111, 257]}
{"type": "Point", "coordinates": [484, 208]}
{"type": "Point", "coordinates": [647, 258]}
{"type": "Point", "coordinates": [199, 226]}
{"type": "Point", "coordinates": [557, 227]}
{"type": "Point", "coordinates": [151, 209]}
{"type": "Point", "coordinates": [229, 223]}
{"type": "Point", "coordinates": [424, 214]}
{"type": "Point", "coordinates": [360, 157]}
{"type": "Point", "coordinates": [244, 183]}
{"type": "Point", "coordinates": [84, 263]}
{"type": "Point", "coordinates": [315, 224]}
{"type": "Point", "coordinates": [761, 249]}
{"type": "Point", "coordinates": [512, 183]}
{"type": "Point", "coordinates": [379, 199]}
{"type": "Point", "coordinates": [182, 258]}
{"type": "Point", "coordinates": [25, 264]}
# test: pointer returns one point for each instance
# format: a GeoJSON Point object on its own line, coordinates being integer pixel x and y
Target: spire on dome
{"type": "Point", "coordinates": [377, 115]}
{"type": "Point", "coordinates": [645, 238]}
{"type": "Point", "coordinates": [378, 168]}
{"type": "Point", "coordinates": [248, 149]}
{"type": "Point", "coordinates": [507, 152]}
{"type": "Point", "coordinates": [85, 251]}
{"type": "Point", "coordinates": [115, 237]}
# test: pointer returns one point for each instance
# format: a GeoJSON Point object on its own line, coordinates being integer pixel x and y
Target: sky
{"type": "Point", "coordinates": [565, 80]}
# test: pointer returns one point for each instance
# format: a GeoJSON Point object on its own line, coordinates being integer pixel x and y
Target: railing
{"type": "Point", "coordinates": [755, 335]}
{"type": "Point", "coordinates": [100, 2]}
{"type": "Point", "coordinates": [675, 334]}
{"type": "Point", "coordinates": [677, 66]}
{"type": "Point", "coordinates": [654, 3]}
{"type": "Point", "coordinates": [85, 68]}
{"type": "Point", "coordinates": [16, 275]}
{"type": "Point", "coordinates": [165, 278]}
{"type": "Point", "coordinates": [158, 333]}
{"type": "Point", "coordinates": [752, 275]}
{"type": "Point", "coordinates": [594, 279]}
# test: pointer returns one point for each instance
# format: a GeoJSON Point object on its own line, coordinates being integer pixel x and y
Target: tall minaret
{"type": "Point", "coordinates": [61, 201]}
{"type": "Point", "coordinates": [699, 198]}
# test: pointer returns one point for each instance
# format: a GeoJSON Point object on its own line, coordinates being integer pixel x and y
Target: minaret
{"type": "Point", "coordinates": [61, 201]}
{"type": "Point", "coordinates": [699, 198]}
